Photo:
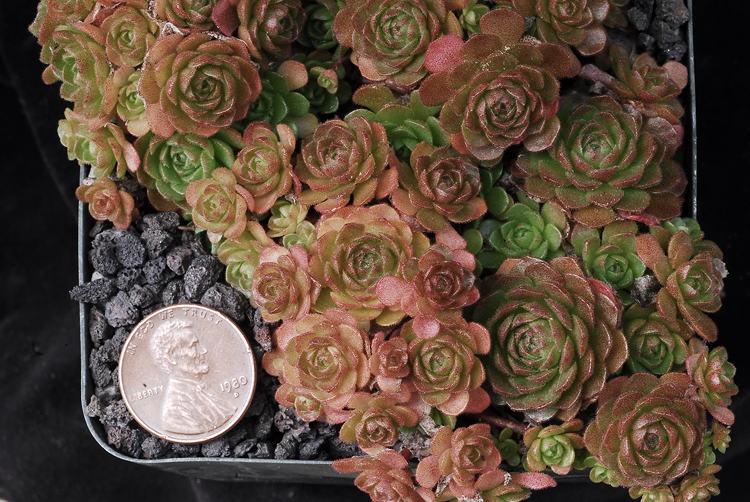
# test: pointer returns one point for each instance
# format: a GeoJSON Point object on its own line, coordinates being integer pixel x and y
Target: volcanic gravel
{"type": "Point", "coordinates": [154, 264]}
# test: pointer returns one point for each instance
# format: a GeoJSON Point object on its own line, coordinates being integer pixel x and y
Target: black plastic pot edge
{"type": "Point", "coordinates": [295, 471]}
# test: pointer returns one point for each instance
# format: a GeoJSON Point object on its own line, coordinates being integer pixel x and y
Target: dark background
{"type": "Point", "coordinates": [46, 452]}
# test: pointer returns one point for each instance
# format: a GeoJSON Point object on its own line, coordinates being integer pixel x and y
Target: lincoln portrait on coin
{"type": "Point", "coordinates": [189, 407]}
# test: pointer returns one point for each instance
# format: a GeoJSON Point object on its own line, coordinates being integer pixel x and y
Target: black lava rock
{"type": "Point", "coordinates": [226, 299]}
{"type": "Point", "coordinates": [128, 277]}
{"type": "Point", "coordinates": [163, 220]}
{"type": "Point", "coordinates": [157, 241]}
{"type": "Point", "coordinates": [639, 18]}
{"type": "Point", "coordinates": [172, 292]}
{"type": "Point", "coordinates": [155, 271]}
{"type": "Point", "coordinates": [115, 415]}
{"type": "Point", "coordinates": [96, 291]}
{"type": "Point", "coordinates": [130, 249]}
{"type": "Point", "coordinates": [262, 450]}
{"type": "Point", "coordinates": [264, 424]}
{"type": "Point", "coordinates": [103, 258]}
{"type": "Point", "coordinates": [178, 259]}
{"type": "Point", "coordinates": [261, 331]}
{"type": "Point", "coordinates": [310, 449]}
{"type": "Point", "coordinates": [244, 448]}
{"type": "Point", "coordinates": [110, 350]}
{"type": "Point", "coordinates": [341, 449]}
{"type": "Point", "coordinates": [673, 12]}
{"type": "Point", "coordinates": [154, 447]}
{"type": "Point", "coordinates": [287, 447]}
{"type": "Point", "coordinates": [100, 371]}
{"type": "Point", "coordinates": [99, 330]}
{"type": "Point", "coordinates": [194, 242]}
{"type": "Point", "coordinates": [120, 311]}
{"type": "Point", "coordinates": [201, 274]}
{"type": "Point", "coordinates": [186, 450]}
{"type": "Point", "coordinates": [142, 296]}
{"type": "Point", "coordinates": [217, 448]}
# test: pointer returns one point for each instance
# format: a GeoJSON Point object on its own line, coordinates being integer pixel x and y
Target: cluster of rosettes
{"type": "Point", "coordinates": [441, 231]}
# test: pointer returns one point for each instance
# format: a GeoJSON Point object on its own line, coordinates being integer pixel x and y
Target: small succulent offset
{"type": "Point", "coordinates": [478, 261]}
{"type": "Point", "coordinates": [555, 336]}
{"type": "Point", "coordinates": [375, 422]}
{"type": "Point", "coordinates": [345, 161]}
{"type": "Point", "coordinates": [107, 202]}
{"type": "Point", "coordinates": [218, 204]}
{"type": "Point", "coordinates": [197, 84]}
{"type": "Point", "coordinates": [389, 39]}
{"type": "Point", "coordinates": [609, 256]}
{"type": "Point", "coordinates": [106, 149]}
{"type": "Point", "coordinates": [647, 431]}
{"type": "Point", "coordinates": [171, 164]}
{"type": "Point", "coordinates": [407, 124]}
{"type": "Point", "coordinates": [323, 355]}
{"type": "Point", "coordinates": [496, 89]}
{"type": "Point", "coordinates": [605, 163]}
{"type": "Point", "coordinates": [264, 166]}
{"type": "Point", "coordinates": [553, 447]}
{"type": "Point", "coordinates": [640, 81]}
{"type": "Point", "coordinates": [438, 187]}
{"type": "Point", "coordinates": [577, 23]}
{"type": "Point", "coordinates": [691, 275]}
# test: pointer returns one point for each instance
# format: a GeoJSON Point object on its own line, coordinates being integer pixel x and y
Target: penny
{"type": "Point", "coordinates": [187, 373]}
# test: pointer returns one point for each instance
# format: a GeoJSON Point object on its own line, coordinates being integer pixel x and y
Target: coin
{"type": "Point", "coordinates": [187, 373]}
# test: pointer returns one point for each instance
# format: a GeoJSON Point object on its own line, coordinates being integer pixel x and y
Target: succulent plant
{"type": "Point", "coordinates": [326, 88]}
{"type": "Point", "coordinates": [720, 437]}
{"type": "Point", "coordinates": [54, 13]}
{"type": "Point", "coordinates": [270, 27]}
{"type": "Point", "coordinates": [497, 90]}
{"type": "Point", "coordinates": [691, 277]}
{"type": "Point", "coordinates": [323, 354]}
{"type": "Point", "coordinates": [389, 362]}
{"type": "Point", "coordinates": [278, 102]}
{"type": "Point", "coordinates": [641, 82]}
{"type": "Point", "coordinates": [218, 204]}
{"type": "Point", "coordinates": [384, 478]}
{"type": "Point", "coordinates": [462, 454]}
{"type": "Point", "coordinates": [699, 487]}
{"type": "Point", "coordinates": [131, 109]}
{"type": "Point", "coordinates": [241, 255]}
{"type": "Point", "coordinates": [552, 447]}
{"type": "Point", "coordinates": [577, 23]}
{"type": "Point", "coordinates": [438, 186]}
{"type": "Point", "coordinates": [375, 422]}
{"type": "Point", "coordinates": [192, 15]}
{"type": "Point", "coordinates": [389, 38]}
{"type": "Point", "coordinates": [445, 370]}
{"type": "Point", "coordinates": [525, 228]}
{"type": "Point", "coordinates": [713, 376]}
{"type": "Point", "coordinates": [345, 161]}
{"type": "Point", "coordinates": [129, 32]}
{"type": "Point", "coordinates": [555, 336]}
{"type": "Point", "coordinates": [264, 166]}
{"type": "Point", "coordinates": [604, 163]}
{"type": "Point", "coordinates": [652, 494]}
{"type": "Point", "coordinates": [647, 431]}
{"type": "Point", "coordinates": [282, 289]}
{"type": "Point", "coordinates": [406, 124]}
{"type": "Point", "coordinates": [105, 149]}
{"type": "Point", "coordinates": [437, 285]}
{"type": "Point", "coordinates": [609, 256]}
{"type": "Point", "coordinates": [77, 57]}
{"type": "Point", "coordinates": [501, 486]}
{"type": "Point", "coordinates": [657, 342]}
{"type": "Point", "coordinates": [197, 84]}
{"type": "Point", "coordinates": [616, 17]}
{"type": "Point", "coordinates": [286, 218]}
{"type": "Point", "coordinates": [318, 29]}
{"type": "Point", "coordinates": [471, 14]}
{"type": "Point", "coordinates": [107, 202]}
{"type": "Point", "coordinates": [170, 164]}
{"type": "Point", "coordinates": [508, 447]}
